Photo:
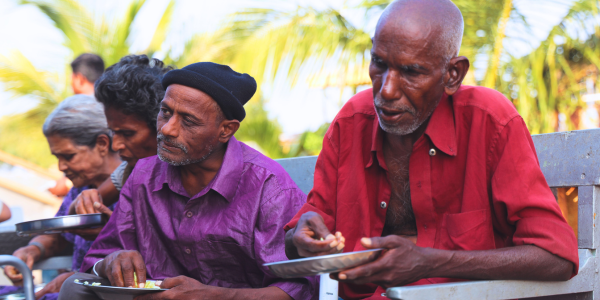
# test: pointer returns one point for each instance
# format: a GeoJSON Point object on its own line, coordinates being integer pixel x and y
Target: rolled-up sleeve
{"type": "Point", "coordinates": [521, 196]}
{"type": "Point", "coordinates": [269, 242]}
{"type": "Point", "coordinates": [118, 234]}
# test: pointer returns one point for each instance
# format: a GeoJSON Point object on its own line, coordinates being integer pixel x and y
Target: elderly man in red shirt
{"type": "Point", "coordinates": [444, 177]}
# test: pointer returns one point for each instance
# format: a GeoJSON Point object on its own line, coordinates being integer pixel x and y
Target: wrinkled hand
{"type": "Point", "coordinates": [308, 232]}
{"type": "Point", "coordinates": [84, 203]}
{"type": "Point", "coordinates": [182, 288]}
{"type": "Point", "coordinates": [402, 263]}
{"type": "Point", "coordinates": [119, 267]}
{"type": "Point", "coordinates": [92, 234]}
{"type": "Point", "coordinates": [29, 254]}
{"type": "Point", "coordinates": [54, 285]}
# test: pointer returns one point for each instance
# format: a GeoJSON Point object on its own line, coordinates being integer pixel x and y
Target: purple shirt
{"type": "Point", "coordinates": [221, 236]}
{"type": "Point", "coordinates": [80, 245]}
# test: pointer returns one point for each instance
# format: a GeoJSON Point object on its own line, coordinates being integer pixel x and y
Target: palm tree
{"type": "Point", "coordinates": [320, 46]}
{"type": "Point", "coordinates": [543, 83]}
{"type": "Point", "coordinates": [549, 80]}
{"type": "Point", "coordinates": [83, 32]}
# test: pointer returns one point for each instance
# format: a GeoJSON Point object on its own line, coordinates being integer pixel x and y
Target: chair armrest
{"type": "Point", "coordinates": [503, 289]}
{"type": "Point", "coordinates": [54, 263]}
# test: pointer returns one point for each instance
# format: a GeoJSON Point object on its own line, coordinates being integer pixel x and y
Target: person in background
{"type": "Point", "coordinates": [79, 137]}
{"type": "Point", "coordinates": [131, 92]}
{"type": "Point", "coordinates": [206, 213]}
{"type": "Point", "coordinates": [444, 177]}
{"type": "Point", "coordinates": [87, 68]}
{"type": "Point", "coordinates": [4, 212]}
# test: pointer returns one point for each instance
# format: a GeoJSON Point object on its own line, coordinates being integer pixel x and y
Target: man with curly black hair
{"type": "Point", "coordinates": [131, 92]}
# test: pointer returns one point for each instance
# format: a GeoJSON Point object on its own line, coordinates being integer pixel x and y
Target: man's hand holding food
{"type": "Point", "coordinates": [311, 237]}
{"type": "Point", "coordinates": [401, 263]}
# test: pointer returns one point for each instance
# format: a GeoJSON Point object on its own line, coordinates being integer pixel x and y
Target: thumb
{"type": "Point", "coordinates": [103, 209]}
{"type": "Point", "coordinates": [170, 282]}
{"type": "Point", "coordinates": [30, 261]}
{"type": "Point", "coordinates": [321, 230]}
{"type": "Point", "coordinates": [387, 242]}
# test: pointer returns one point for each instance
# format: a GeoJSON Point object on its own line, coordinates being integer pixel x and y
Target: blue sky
{"type": "Point", "coordinates": [298, 109]}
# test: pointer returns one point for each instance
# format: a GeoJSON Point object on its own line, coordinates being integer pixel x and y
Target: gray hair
{"type": "Point", "coordinates": [79, 118]}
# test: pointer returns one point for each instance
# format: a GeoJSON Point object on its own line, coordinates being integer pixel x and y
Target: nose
{"type": "Point", "coordinates": [62, 165]}
{"type": "Point", "coordinates": [171, 127]}
{"type": "Point", "coordinates": [117, 143]}
{"type": "Point", "coordinates": [390, 89]}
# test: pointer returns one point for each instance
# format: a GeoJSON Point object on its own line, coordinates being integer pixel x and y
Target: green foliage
{"type": "Point", "coordinates": [258, 128]}
{"type": "Point", "coordinates": [320, 46]}
{"type": "Point", "coordinates": [310, 142]}
{"type": "Point", "coordinates": [83, 32]}
{"type": "Point", "coordinates": [549, 80]}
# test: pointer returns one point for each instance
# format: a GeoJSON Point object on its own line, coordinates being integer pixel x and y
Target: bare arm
{"type": "Point", "coordinates": [31, 254]}
{"type": "Point", "coordinates": [5, 214]}
{"type": "Point", "coordinates": [527, 262]}
{"type": "Point", "coordinates": [404, 263]}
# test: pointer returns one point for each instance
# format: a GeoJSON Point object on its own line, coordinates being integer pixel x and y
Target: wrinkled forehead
{"type": "Point", "coordinates": [402, 40]}
{"type": "Point", "coordinates": [188, 100]}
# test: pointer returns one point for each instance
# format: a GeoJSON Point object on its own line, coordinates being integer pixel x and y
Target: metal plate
{"type": "Point", "coordinates": [17, 296]}
{"type": "Point", "coordinates": [119, 293]}
{"type": "Point", "coordinates": [322, 264]}
{"type": "Point", "coordinates": [60, 224]}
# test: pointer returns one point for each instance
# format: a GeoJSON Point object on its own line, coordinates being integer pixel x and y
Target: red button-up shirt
{"type": "Point", "coordinates": [475, 181]}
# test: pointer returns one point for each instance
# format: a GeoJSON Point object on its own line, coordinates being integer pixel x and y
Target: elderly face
{"type": "Point", "coordinates": [407, 72]}
{"type": "Point", "coordinates": [81, 164]}
{"type": "Point", "coordinates": [189, 126]}
{"type": "Point", "coordinates": [132, 137]}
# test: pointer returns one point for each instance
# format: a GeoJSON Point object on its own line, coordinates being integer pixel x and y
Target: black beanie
{"type": "Point", "coordinates": [230, 89]}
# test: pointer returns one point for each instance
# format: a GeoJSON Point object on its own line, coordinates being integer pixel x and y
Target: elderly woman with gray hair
{"type": "Point", "coordinates": [79, 137]}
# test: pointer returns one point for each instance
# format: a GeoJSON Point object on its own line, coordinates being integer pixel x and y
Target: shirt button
{"type": "Point", "coordinates": [189, 214]}
{"type": "Point", "coordinates": [188, 251]}
{"type": "Point", "coordinates": [383, 204]}
{"type": "Point", "coordinates": [432, 152]}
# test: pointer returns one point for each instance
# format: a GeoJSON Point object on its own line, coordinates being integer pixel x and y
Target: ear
{"type": "Point", "coordinates": [228, 129]}
{"type": "Point", "coordinates": [103, 144]}
{"type": "Point", "coordinates": [457, 70]}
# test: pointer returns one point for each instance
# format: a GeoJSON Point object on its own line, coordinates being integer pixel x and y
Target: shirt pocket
{"type": "Point", "coordinates": [467, 231]}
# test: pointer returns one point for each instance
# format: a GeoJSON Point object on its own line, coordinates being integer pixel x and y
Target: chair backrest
{"type": "Point", "coordinates": [572, 159]}
{"type": "Point", "coordinates": [301, 169]}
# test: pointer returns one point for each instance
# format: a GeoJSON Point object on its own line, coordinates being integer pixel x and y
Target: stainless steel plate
{"type": "Point", "coordinates": [60, 224]}
{"type": "Point", "coordinates": [16, 296]}
{"type": "Point", "coordinates": [322, 264]}
{"type": "Point", "coordinates": [119, 293]}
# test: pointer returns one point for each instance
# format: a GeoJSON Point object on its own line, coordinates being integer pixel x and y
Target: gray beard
{"type": "Point", "coordinates": [403, 130]}
{"type": "Point", "coordinates": [397, 130]}
{"type": "Point", "coordinates": [186, 160]}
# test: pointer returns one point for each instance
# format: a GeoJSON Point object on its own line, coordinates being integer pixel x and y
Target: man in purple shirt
{"type": "Point", "coordinates": [205, 214]}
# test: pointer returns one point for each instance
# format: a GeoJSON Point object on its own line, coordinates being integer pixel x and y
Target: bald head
{"type": "Point", "coordinates": [414, 62]}
{"type": "Point", "coordinates": [438, 23]}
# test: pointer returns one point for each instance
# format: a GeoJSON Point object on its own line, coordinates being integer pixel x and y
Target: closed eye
{"type": "Point", "coordinates": [378, 61]}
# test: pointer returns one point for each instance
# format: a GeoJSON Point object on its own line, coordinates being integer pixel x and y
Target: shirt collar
{"type": "Point", "coordinates": [225, 182]}
{"type": "Point", "coordinates": [440, 130]}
